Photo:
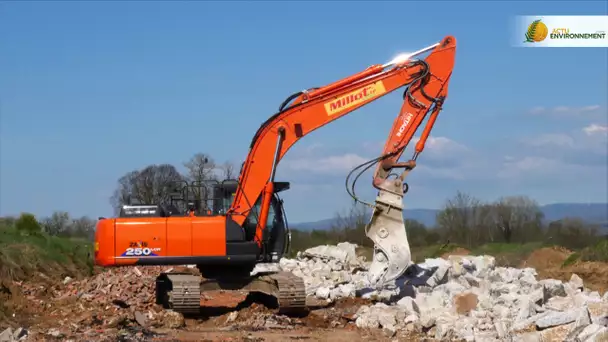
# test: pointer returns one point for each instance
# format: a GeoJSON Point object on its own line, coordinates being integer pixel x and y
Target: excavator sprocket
{"type": "Point", "coordinates": [181, 291]}
{"type": "Point", "coordinates": [392, 255]}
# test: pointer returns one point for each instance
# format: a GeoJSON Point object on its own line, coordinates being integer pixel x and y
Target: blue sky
{"type": "Point", "coordinates": [92, 90]}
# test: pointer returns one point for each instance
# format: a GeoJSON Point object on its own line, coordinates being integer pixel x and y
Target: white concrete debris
{"type": "Point", "coordinates": [463, 297]}
{"type": "Point", "coordinates": [8, 335]}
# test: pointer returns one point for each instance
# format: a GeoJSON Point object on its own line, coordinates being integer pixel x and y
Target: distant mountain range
{"type": "Point", "coordinates": [592, 212]}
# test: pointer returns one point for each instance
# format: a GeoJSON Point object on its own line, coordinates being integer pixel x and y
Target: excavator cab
{"type": "Point", "coordinates": [213, 198]}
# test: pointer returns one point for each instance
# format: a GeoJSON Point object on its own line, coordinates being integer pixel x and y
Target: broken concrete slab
{"type": "Point", "coordinates": [7, 335]}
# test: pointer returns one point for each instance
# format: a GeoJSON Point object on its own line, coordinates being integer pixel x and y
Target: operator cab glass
{"type": "Point", "coordinates": [223, 194]}
{"type": "Point", "coordinates": [276, 234]}
{"type": "Point", "coordinates": [275, 217]}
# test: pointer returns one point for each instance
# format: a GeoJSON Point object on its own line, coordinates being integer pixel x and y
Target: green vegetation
{"type": "Point", "coordinates": [27, 250]}
{"type": "Point", "coordinates": [597, 252]}
{"type": "Point", "coordinates": [510, 228]}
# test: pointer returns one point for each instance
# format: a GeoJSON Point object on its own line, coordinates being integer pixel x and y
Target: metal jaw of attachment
{"type": "Point", "coordinates": [386, 228]}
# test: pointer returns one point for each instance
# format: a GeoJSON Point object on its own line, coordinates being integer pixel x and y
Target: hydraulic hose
{"type": "Point", "coordinates": [422, 80]}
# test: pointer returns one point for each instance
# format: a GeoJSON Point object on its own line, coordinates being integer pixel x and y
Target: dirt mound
{"type": "Point", "coordinates": [547, 257]}
{"type": "Point", "coordinates": [549, 262]}
{"type": "Point", "coordinates": [593, 273]}
{"type": "Point", "coordinates": [456, 251]}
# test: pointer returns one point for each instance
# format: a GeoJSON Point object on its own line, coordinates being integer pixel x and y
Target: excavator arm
{"type": "Point", "coordinates": [311, 109]}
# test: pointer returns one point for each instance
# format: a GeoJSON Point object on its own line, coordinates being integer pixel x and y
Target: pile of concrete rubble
{"type": "Point", "coordinates": [462, 297]}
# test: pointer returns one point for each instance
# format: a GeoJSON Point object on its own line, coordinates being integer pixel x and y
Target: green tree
{"type": "Point", "coordinates": [417, 233]}
{"type": "Point", "coordinates": [28, 224]}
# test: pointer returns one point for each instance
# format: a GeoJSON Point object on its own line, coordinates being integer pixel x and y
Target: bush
{"type": "Point", "coordinates": [27, 223]}
{"type": "Point", "coordinates": [599, 252]}
{"type": "Point", "coordinates": [572, 233]}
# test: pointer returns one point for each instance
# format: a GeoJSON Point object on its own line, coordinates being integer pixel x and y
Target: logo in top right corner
{"type": "Point", "coordinates": [537, 32]}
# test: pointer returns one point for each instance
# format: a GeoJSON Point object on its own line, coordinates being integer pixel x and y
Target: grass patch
{"type": "Point", "coordinates": [598, 252]}
{"type": "Point", "coordinates": [435, 251]}
{"type": "Point", "coordinates": [573, 258]}
{"type": "Point", "coordinates": [26, 254]}
{"type": "Point", "coordinates": [508, 254]}
{"type": "Point", "coordinates": [507, 248]}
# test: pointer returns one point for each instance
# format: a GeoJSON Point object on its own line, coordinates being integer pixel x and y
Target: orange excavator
{"type": "Point", "coordinates": [245, 224]}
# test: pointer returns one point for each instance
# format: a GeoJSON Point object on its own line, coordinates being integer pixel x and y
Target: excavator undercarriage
{"type": "Point", "coordinates": [181, 292]}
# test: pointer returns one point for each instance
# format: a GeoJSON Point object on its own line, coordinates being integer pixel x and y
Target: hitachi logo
{"type": "Point", "coordinates": [406, 121]}
{"type": "Point", "coordinates": [355, 98]}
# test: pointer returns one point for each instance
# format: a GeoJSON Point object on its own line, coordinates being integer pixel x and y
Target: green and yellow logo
{"type": "Point", "coordinates": [537, 32]}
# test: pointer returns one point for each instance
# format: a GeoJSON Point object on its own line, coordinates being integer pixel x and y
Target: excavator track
{"type": "Point", "coordinates": [181, 292]}
{"type": "Point", "coordinates": [292, 292]}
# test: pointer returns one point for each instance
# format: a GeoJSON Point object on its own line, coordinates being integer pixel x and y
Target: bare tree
{"type": "Point", "coordinates": [459, 217]}
{"type": "Point", "coordinates": [58, 223]}
{"type": "Point", "coordinates": [201, 170]}
{"type": "Point", "coordinates": [228, 171]}
{"type": "Point", "coordinates": [125, 191]}
{"type": "Point", "coordinates": [351, 225]}
{"type": "Point", "coordinates": [151, 185]}
{"type": "Point", "coordinates": [485, 229]}
{"type": "Point", "coordinates": [83, 227]}
{"type": "Point", "coordinates": [572, 232]}
{"type": "Point", "coordinates": [517, 215]}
